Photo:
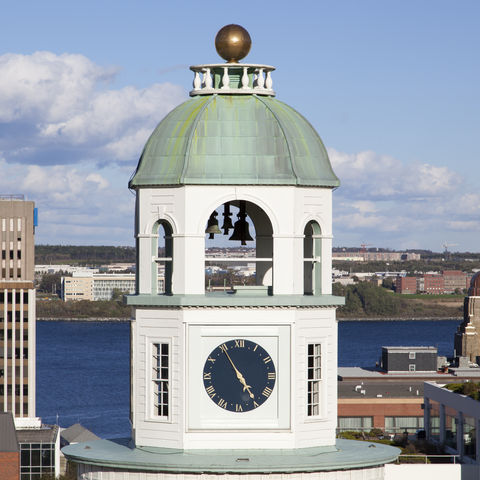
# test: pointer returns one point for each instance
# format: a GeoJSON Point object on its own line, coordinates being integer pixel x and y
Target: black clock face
{"type": "Point", "coordinates": [239, 375]}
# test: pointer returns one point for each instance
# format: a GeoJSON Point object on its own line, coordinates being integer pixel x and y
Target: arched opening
{"type": "Point", "coordinates": [312, 255]}
{"type": "Point", "coordinates": [239, 249]}
{"type": "Point", "coordinates": [162, 254]}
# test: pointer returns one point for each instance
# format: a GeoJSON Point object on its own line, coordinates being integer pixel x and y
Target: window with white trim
{"type": "Point", "coordinates": [412, 355]}
{"type": "Point", "coordinates": [314, 377]}
{"type": "Point", "coordinates": [160, 379]}
{"type": "Point", "coordinates": [411, 367]}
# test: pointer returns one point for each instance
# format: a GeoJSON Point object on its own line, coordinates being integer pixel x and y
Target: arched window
{"type": "Point", "coordinates": [312, 255]}
{"type": "Point", "coordinates": [162, 253]}
{"type": "Point", "coordinates": [239, 248]}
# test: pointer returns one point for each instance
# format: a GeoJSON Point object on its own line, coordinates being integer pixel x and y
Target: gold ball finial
{"type": "Point", "coordinates": [233, 43]}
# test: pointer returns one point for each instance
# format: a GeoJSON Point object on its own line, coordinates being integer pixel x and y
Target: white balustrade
{"type": "Point", "coordinates": [232, 78]}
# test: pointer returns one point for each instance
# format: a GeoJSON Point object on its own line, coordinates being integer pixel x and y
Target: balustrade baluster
{"type": "Point", "coordinates": [260, 78]}
{"type": "Point", "coordinates": [225, 79]}
{"type": "Point", "coordinates": [208, 78]}
{"type": "Point", "coordinates": [269, 81]}
{"type": "Point", "coordinates": [197, 83]}
{"type": "Point", "coordinates": [245, 78]}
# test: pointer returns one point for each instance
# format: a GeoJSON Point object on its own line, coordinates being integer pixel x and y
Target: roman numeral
{"type": "Point", "coordinates": [223, 347]}
{"type": "Point", "coordinates": [211, 391]}
{"type": "Point", "coordinates": [208, 376]}
{"type": "Point", "coordinates": [211, 359]}
{"type": "Point", "coordinates": [256, 346]}
{"type": "Point", "coordinates": [222, 403]}
{"type": "Point", "coordinates": [271, 375]}
{"type": "Point", "coordinates": [239, 343]}
{"type": "Point", "coordinates": [266, 392]}
{"type": "Point", "coordinates": [238, 408]}
{"type": "Point", "coordinates": [255, 404]}
{"type": "Point", "coordinates": [266, 360]}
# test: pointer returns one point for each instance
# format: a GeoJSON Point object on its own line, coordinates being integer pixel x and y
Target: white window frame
{"type": "Point", "coordinates": [316, 379]}
{"type": "Point", "coordinates": [412, 367]}
{"type": "Point", "coordinates": [412, 355]}
{"type": "Point", "coordinates": [153, 382]}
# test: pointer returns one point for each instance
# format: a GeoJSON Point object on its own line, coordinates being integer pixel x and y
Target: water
{"type": "Point", "coordinates": [83, 375]}
{"type": "Point", "coordinates": [360, 343]}
{"type": "Point", "coordinates": [83, 368]}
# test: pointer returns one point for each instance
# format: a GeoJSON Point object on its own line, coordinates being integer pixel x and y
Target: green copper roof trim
{"type": "Point", "coordinates": [234, 140]}
{"type": "Point", "coordinates": [120, 454]}
{"type": "Point", "coordinates": [225, 300]}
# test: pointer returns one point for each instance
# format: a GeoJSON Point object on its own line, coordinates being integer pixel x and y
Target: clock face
{"type": "Point", "coordinates": [239, 375]}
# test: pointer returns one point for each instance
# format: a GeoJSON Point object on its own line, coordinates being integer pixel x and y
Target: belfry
{"type": "Point", "coordinates": [241, 380]}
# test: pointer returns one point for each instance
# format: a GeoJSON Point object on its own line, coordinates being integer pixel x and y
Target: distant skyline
{"type": "Point", "coordinates": [391, 87]}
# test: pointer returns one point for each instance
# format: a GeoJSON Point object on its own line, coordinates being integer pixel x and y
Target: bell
{"type": "Point", "coordinates": [240, 229]}
{"type": "Point", "coordinates": [227, 221]}
{"type": "Point", "coordinates": [212, 226]}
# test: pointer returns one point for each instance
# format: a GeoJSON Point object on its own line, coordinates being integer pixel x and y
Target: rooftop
{"type": "Point", "coordinates": [346, 454]}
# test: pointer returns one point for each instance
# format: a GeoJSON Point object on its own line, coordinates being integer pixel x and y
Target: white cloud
{"type": "Point", "coordinates": [391, 203]}
{"type": "Point", "coordinates": [369, 175]}
{"type": "Point", "coordinates": [58, 109]}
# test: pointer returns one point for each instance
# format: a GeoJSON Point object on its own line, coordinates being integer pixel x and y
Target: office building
{"type": "Point", "coordinates": [17, 306]}
{"type": "Point", "coordinates": [99, 286]}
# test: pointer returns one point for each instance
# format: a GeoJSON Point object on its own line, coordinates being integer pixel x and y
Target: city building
{"type": "Point", "coordinates": [241, 382]}
{"type": "Point", "coordinates": [39, 449]}
{"type": "Point", "coordinates": [17, 306]}
{"type": "Point", "coordinates": [453, 421]}
{"type": "Point", "coordinates": [99, 286]}
{"type": "Point", "coordinates": [409, 359]}
{"type": "Point", "coordinates": [467, 337]}
{"type": "Point", "coordinates": [431, 283]}
{"type": "Point", "coordinates": [9, 449]}
{"type": "Point", "coordinates": [406, 285]}
{"type": "Point", "coordinates": [370, 399]}
{"type": "Point", "coordinates": [368, 256]}
{"type": "Point", "coordinates": [455, 280]}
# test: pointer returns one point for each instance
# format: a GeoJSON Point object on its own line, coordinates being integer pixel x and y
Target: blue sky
{"type": "Point", "coordinates": [391, 87]}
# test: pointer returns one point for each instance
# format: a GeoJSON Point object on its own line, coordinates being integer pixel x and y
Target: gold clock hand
{"type": "Point", "coordinates": [240, 377]}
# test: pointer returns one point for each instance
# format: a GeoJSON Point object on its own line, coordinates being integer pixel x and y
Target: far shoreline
{"type": "Point", "coordinates": [340, 319]}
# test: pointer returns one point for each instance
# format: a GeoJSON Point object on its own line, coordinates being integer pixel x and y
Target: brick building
{"type": "Point", "coordinates": [433, 284]}
{"type": "Point", "coordinates": [455, 280]}
{"type": "Point", "coordinates": [406, 285]}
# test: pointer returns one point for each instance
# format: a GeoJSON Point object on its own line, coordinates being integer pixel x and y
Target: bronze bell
{"type": "Point", "coordinates": [212, 226]}
{"type": "Point", "coordinates": [240, 229]}
{"type": "Point", "coordinates": [227, 221]}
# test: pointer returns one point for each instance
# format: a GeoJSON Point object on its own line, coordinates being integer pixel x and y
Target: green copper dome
{"type": "Point", "coordinates": [234, 139]}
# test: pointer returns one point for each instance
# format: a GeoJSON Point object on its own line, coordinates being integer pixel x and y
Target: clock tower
{"type": "Point", "coordinates": [242, 379]}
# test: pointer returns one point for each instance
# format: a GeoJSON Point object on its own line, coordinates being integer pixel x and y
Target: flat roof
{"type": "Point", "coordinates": [121, 454]}
{"type": "Point", "coordinates": [44, 434]}
{"type": "Point", "coordinates": [411, 349]}
{"type": "Point", "coordinates": [375, 389]}
{"type": "Point", "coordinates": [8, 437]}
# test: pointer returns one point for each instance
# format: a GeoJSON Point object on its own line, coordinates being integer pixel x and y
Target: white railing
{"type": "Point", "coordinates": [452, 458]}
{"type": "Point", "coordinates": [233, 78]}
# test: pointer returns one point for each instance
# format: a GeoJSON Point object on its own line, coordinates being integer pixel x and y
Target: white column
{"type": "Point", "coordinates": [14, 412]}
{"type": "Point", "coordinates": [287, 265]}
{"type": "Point", "coordinates": [326, 262]}
{"type": "Point", "coordinates": [145, 262]}
{"type": "Point", "coordinates": [32, 355]}
{"type": "Point", "coordinates": [189, 264]}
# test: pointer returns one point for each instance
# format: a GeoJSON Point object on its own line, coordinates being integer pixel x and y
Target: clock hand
{"type": "Point", "coordinates": [240, 377]}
